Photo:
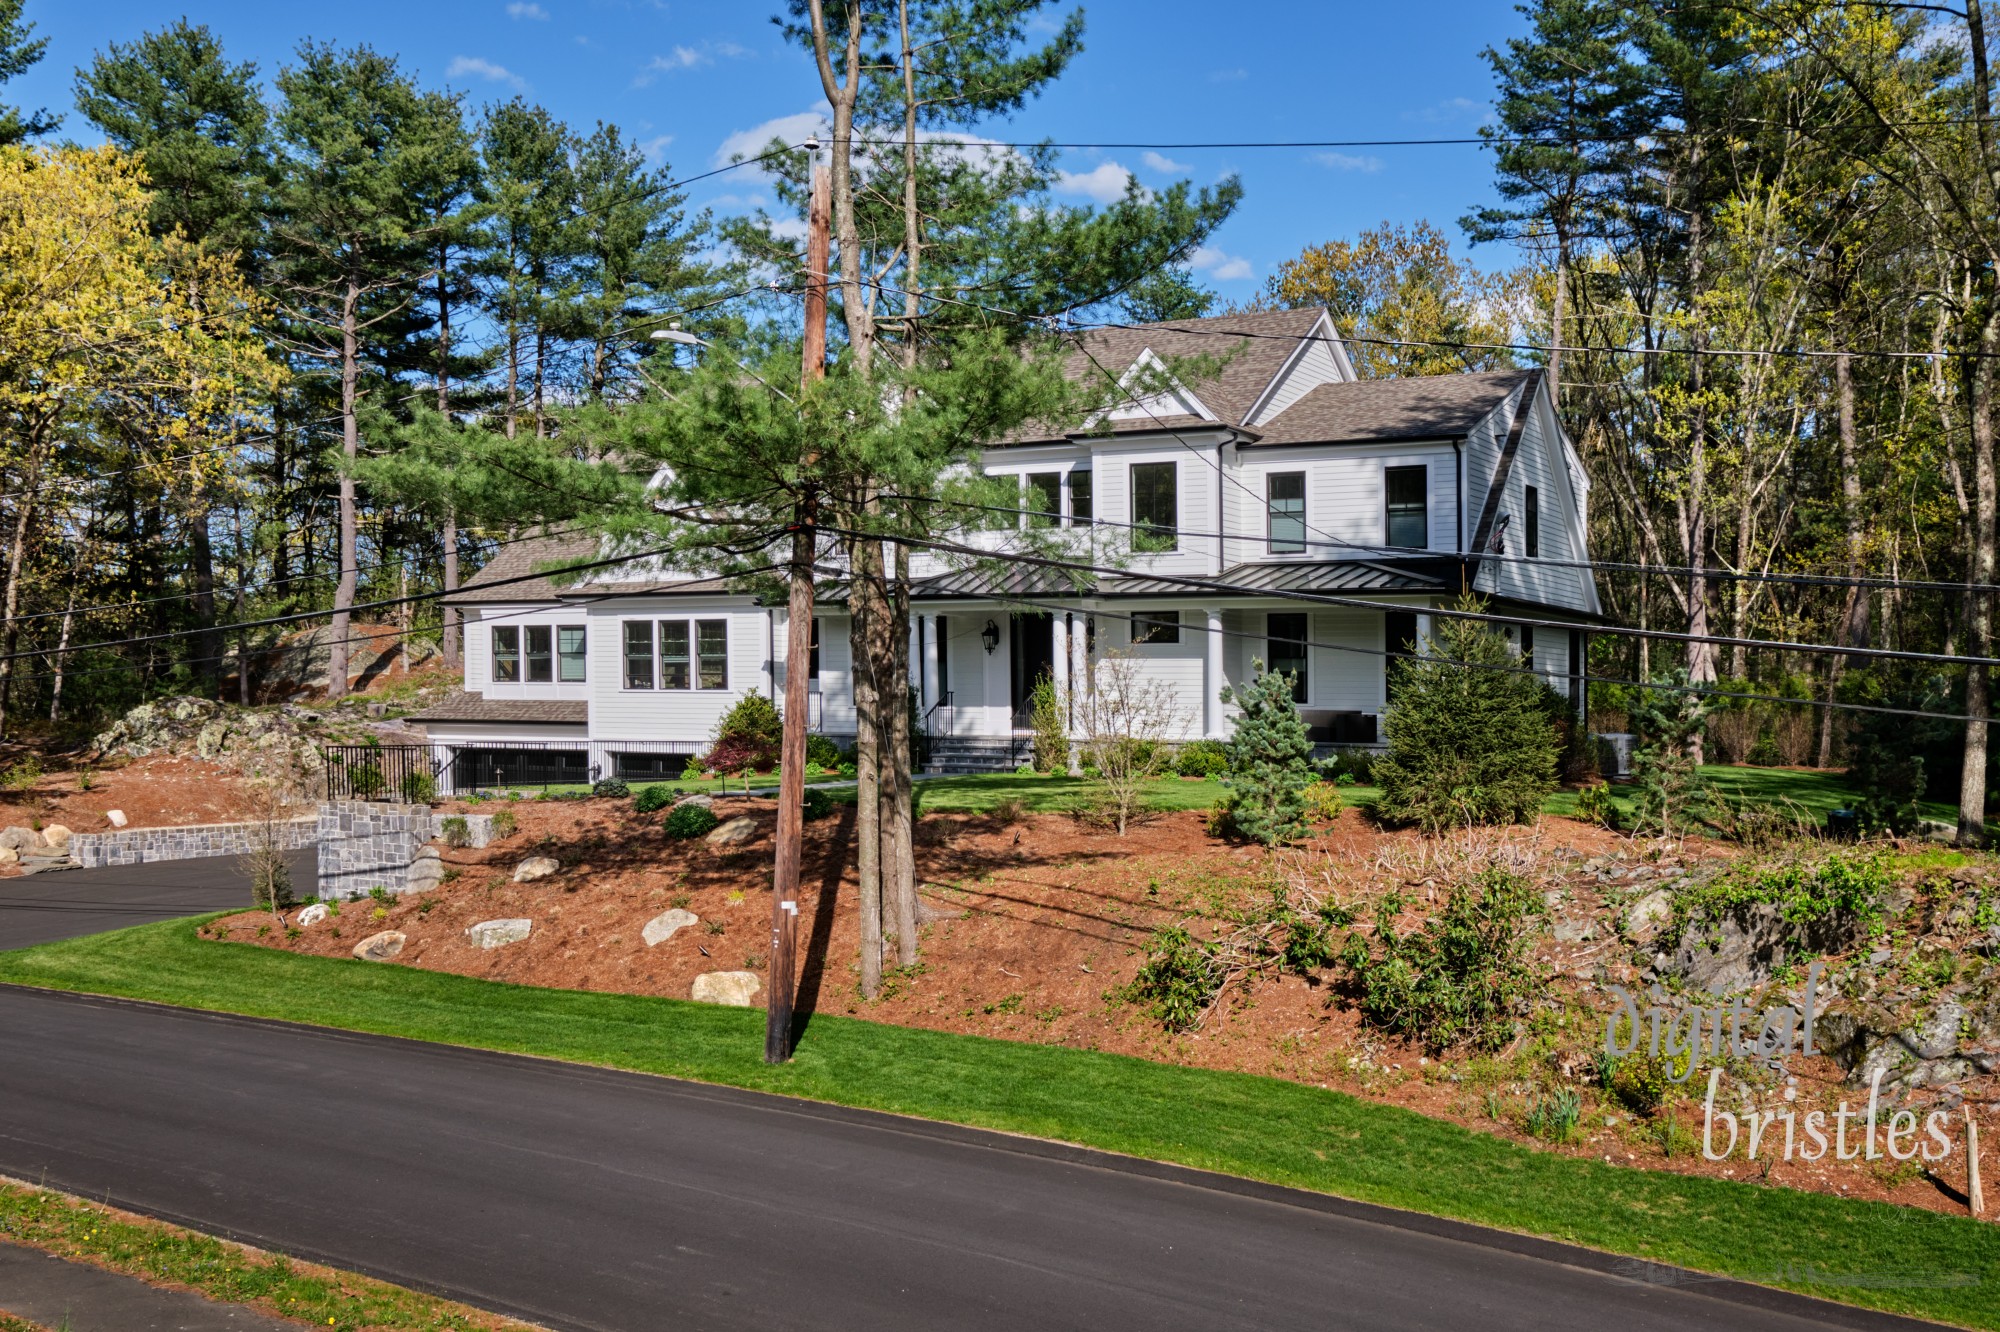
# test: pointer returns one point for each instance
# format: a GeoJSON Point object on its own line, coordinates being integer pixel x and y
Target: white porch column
{"type": "Point", "coordinates": [929, 665]}
{"type": "Point", "coordinates": [1423, 635]}
{"type": "Point", "coordinates": [1059, 656]}
{"type": "Point", "coordinates": [1212, 679]}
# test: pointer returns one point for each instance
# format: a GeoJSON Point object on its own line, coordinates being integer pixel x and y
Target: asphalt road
{"type": "Point", "coordinates": [588, 1199]}
{"type": "Point", "coordinates": [67, 904]}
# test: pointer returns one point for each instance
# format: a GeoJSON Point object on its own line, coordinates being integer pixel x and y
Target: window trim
{"type": "Point", "coordinates": [685, 661]}
{"type": "Point", "coordinates": [1302, 681]}
{"type": "Point", "coordinates": [695, 625]}
{"type": "Point", "coordinates": [581, 656]}
{"type": "Point", "coordinates": [511, 655]}
{"type": "Point", "coordinates": [1160, 627]}
{"type": "Point", "coordinates": [1153, 531]}
{"type": "Point", "coordinates": [546, 657]}
{"type": "Point", "coordinates": [1272, 545]}
{"type": "Point", "coordinates": [1070, 516]}
{"type": "Point", "coordinates": [1039, 519]}
{"type": "Point", "coordinates": [1389, 508]}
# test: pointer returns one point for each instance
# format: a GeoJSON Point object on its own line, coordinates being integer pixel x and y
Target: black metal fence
{"type": "Point", "coordinates": [419, 773]}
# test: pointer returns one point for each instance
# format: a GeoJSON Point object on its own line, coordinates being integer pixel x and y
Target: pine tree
{"type": "Point", "coordinates": [17, 55]}
{"type": "Point", "coordinates": [1469, 741]}
{"type": "Point", "coordinates": [1270, 760]}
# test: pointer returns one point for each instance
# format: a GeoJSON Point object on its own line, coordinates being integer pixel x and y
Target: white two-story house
{"type": "Point", "coordinates": [1279, 509]}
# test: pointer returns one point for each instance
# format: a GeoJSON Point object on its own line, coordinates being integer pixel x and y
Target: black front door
{"type": "Point", "coordinates": [1031, 656]}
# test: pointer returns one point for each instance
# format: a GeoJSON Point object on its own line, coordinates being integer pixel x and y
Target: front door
{"type": "Point", "coordinates": [1031, 657]}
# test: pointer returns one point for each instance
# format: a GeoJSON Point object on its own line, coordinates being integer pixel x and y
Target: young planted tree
{"type": "Point", "coordinates": [1127, 716]}
{"type": "Point", "coordinates": [1469, 740]}
{"type": "Point", "coordinates": [1270, 760]}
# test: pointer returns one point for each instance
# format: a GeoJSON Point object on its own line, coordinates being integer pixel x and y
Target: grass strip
{"type": "Point", "coordinates": [227, 1273]}
{"type": "Point", "coordinates": [1874, 1254]}
{"type": "Point", "coordinates": [9, 1323]}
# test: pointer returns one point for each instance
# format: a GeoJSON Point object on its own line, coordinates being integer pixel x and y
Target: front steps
{"type": "Point", "coordinates": [962, 754]}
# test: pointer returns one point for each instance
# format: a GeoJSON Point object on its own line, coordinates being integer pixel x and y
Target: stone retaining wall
{"type": "Point", "coordinates": [362, 844]}
{"type": "Point", "coordinates": [140, 846]}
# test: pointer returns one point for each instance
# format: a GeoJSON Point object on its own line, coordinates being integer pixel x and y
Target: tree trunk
{"type": "Point", "coordinates": [867, 746]}
{"type": "Point", "coordinates": [350, 444]}
{"type": "Point", "coordinates": [899, 870]}
{"type": "Point", "coordinates": [449, 635]}
{"type": "Point", "coordinates": [1854, 613]}
{"type": "Point", "coordinates": [242, 612]}
{"type": "Point", "coordinates": [62, 660]}
{"type": "Point", "coordinates": [16, 557]}
{"type": "Point", "coordinates": [1980, 572]}
{"type": "Point", "coordinates": [201, 559]}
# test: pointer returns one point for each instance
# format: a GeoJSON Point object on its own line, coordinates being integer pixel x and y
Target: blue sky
{"type": "Point", "coordinates": [691, 78]}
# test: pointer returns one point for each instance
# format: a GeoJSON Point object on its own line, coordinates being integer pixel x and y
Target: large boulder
{"type": "Point", "coordinates": [57, 836]}
{"type": "Point", "coordinates": [536, 867]}
{"type": "Point", "coordinates": [380, 947]}
{"type": "Point", "coordinates": [699, 799]}
{"type": "Point", "coordinates": [499, 933]}
{"type": "Point", "coordinates": [732, 989]}
{"type": "Point", "coordinates": [666, 925]}
{"type": "Point", "coordinates": [426, 872]}
{"type": "Point", "coordinates": [116, 818]}
{"type": "Point", "coordinates": [311, 916]}
{"type": "Point", "coordinates": [8, 855]}
{"type": "Point", "coordinates": [22, 839]}
{"type": "Point", "coordinates": [741, 829]}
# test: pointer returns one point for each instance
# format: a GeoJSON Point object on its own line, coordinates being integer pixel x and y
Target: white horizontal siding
{"type": "Point", "coordinates": [479, 651]}
{"type": "Point", "coordinates": [618, 713]}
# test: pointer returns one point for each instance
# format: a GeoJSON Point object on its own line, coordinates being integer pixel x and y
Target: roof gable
{"type": "Point", "coordinates": [1420, 407]}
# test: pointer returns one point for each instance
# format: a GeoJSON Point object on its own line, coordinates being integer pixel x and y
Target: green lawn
{"type": "Point", "coordinates": [1261, 1128]}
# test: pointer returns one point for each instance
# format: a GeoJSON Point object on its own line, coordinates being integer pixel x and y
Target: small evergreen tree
{"type": "Point", "coordinates": [1045, 713]}
{"type": "Point", "coordinates": [1270, 761]}
{"type": "Point", "coordinates": [1672, 793]}
{"type": "Point", "coordinates": [1469, 740]}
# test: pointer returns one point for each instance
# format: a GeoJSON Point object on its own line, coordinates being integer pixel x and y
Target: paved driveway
{"type": "Point", "coordinates": [66, 904]}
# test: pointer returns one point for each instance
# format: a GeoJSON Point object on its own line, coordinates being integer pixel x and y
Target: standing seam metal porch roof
{"type": "Point", "coordinates": [1336, 576]}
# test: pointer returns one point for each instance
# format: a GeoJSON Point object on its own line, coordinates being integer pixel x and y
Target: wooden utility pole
{"type": "Point", "coordinates": [798, 656]}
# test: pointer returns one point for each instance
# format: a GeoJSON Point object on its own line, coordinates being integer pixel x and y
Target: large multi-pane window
{"type": "Point", "coordinates": [506, 653]}
{"type": "Point", "coordinates": [541, 653]}
{"type": "Point", "coordinates": [1408, 523]}
{"type": "Point", "coordinates": [711, 649]}
{"type": "Point", "coordinates": [1042, 493]}
{"type": "Point", "coordinates": [638, 654]}
{"type": "Point", "coordinates": [569, 653]}
{"type": "Point", "coordinates": [693, 654]}
{"type": "Point", "coordinates": [1531, 515]}
{"type": "Point", "coordinates": [676, 664]}
{"type": "Point", "coordinates": [1285, 494]}
{"type": "Point", "coordinates": [1079, 497]}
{"type": "Point", "coordinates": [1286, 643]}
{"type": "Point", "coordinates": [1156, 627]}
{"type": "Point", "coordinates": [1155, 507]}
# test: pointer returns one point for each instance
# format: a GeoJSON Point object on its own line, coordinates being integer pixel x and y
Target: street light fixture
{"type": "Point", "coordinates": [682, 338]}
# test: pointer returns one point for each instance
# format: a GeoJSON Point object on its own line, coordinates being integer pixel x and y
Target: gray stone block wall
{"type": "Point", "coordinates": [141, 846]}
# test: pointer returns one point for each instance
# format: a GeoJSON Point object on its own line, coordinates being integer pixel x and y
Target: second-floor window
{"type": "Point", "coordinates": [1286, 643]}
{"type": "Point", "coordinates": [569, 653]}
{"type": "Point", "coordinates": [1155, 507]}
{"type": "Point", "coordinates": [1531, 517]}
{"type": "Point", "coordinates": [1408, 521]}
{"type": "Point", "coordinates": [692, 654]}
{"type": "Point", "coordinates": [1285, 494]}
{"type": "Point", "coordinates": [1042, 493]}
{"type": "Point", "coordinates": [506, 653]}
{"type": "Point", "coordinates": [1079, 497]}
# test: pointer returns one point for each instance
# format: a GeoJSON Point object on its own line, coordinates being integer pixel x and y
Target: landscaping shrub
{"type": "Point", "coordinates": [748, 736]}
{"type": "Point", "coordinates": [693, 772]}
{"type": "Point", "coordinates": [1045, 717]}
{"type": "Point", "coordinates": [1672, 796]}
{"type": "Point", "coordinates": [1201, 758]}
{"type": "Point", "coordinates": [651, 798]}
{"type": "Point", "coordinates": [1270, 760]}
{"type": "Point", "coordinates": [1463, 976]}
{"type": "Point", "coordinates": [1640, 1082]}
{"type": "Point", "coordinates": [1323, 802]}
{"type": "Point", "coordinates": [503, 823]}
{"type": "Point", "coordinates": [1468, 743]}
{"type": "Point", "coordinates": [365, 780]}
{"type": "Point", "coordinates": [419, 788]}
{"type": "Point", "coordinates": [22, 775]}
{"type": "Point", "coordinates": [1553, 1118]}
{"type": "Point", "coordinates": [1836, 896]}
{"type": "Point", "coordinates": [824, 752]}
{"type": "Point", "coordinates": [818, 804]}
{"type": "Point", "coordinates": [686, 821]}
{"type": "Point", "coordinates": [1593, 805]}
{"type": "Point", "coordinates": [1009, 812]}
{"type": "Point", "coordinates": [1349, 767]}
{"type": "Point", "coordinates": [1897, 761]}
{"type": "Point", "coordinates": [611, 787]}
{"type": "Point", "coordinates": [457, 833]}
{"type": "Point", "coordinates": [1179, 978]}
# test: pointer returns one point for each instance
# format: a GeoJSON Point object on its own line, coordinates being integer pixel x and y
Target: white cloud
{"type": "Point", "coordinates": [1451, 111]}
{"type": "Point", "coordinates": [1156, 162]}
{"type": "Point", "coordinates": [689, 57]}
{"type": "Point", "coordinates": [1104, 183]}
{"type": "Point", "coordinates": [1346, 162]}
{"type": "Point", "coordinates": [527, 9]}
{"type": "Point", "coordinates": [1236, 75]}
{"type": "Point", "coordinates": [790, 129]}
{"type": "Point", "coordinates": [1222, 267]}
{"type": "Point", "coordinates": [656, 148]}
{"type": "Point", "coordinates": [475, 67]}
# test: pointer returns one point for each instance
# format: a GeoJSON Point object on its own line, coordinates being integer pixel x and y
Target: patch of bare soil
{"type": "Point", "coordinates": [1032, 931]}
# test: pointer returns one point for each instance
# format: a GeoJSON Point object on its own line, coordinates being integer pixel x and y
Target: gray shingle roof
{"type": "Point", "coordinates": [493, 584]}
{"type": "Point", "coordinates": [463, 707]}
{"type": "Point", "coordinates": [1422, 407]}
{"type": "Point", "coordinates": [1249, 361]}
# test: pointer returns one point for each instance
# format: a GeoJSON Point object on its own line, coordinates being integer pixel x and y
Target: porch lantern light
{"type": "Point", "coordinates": [990, 636]}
